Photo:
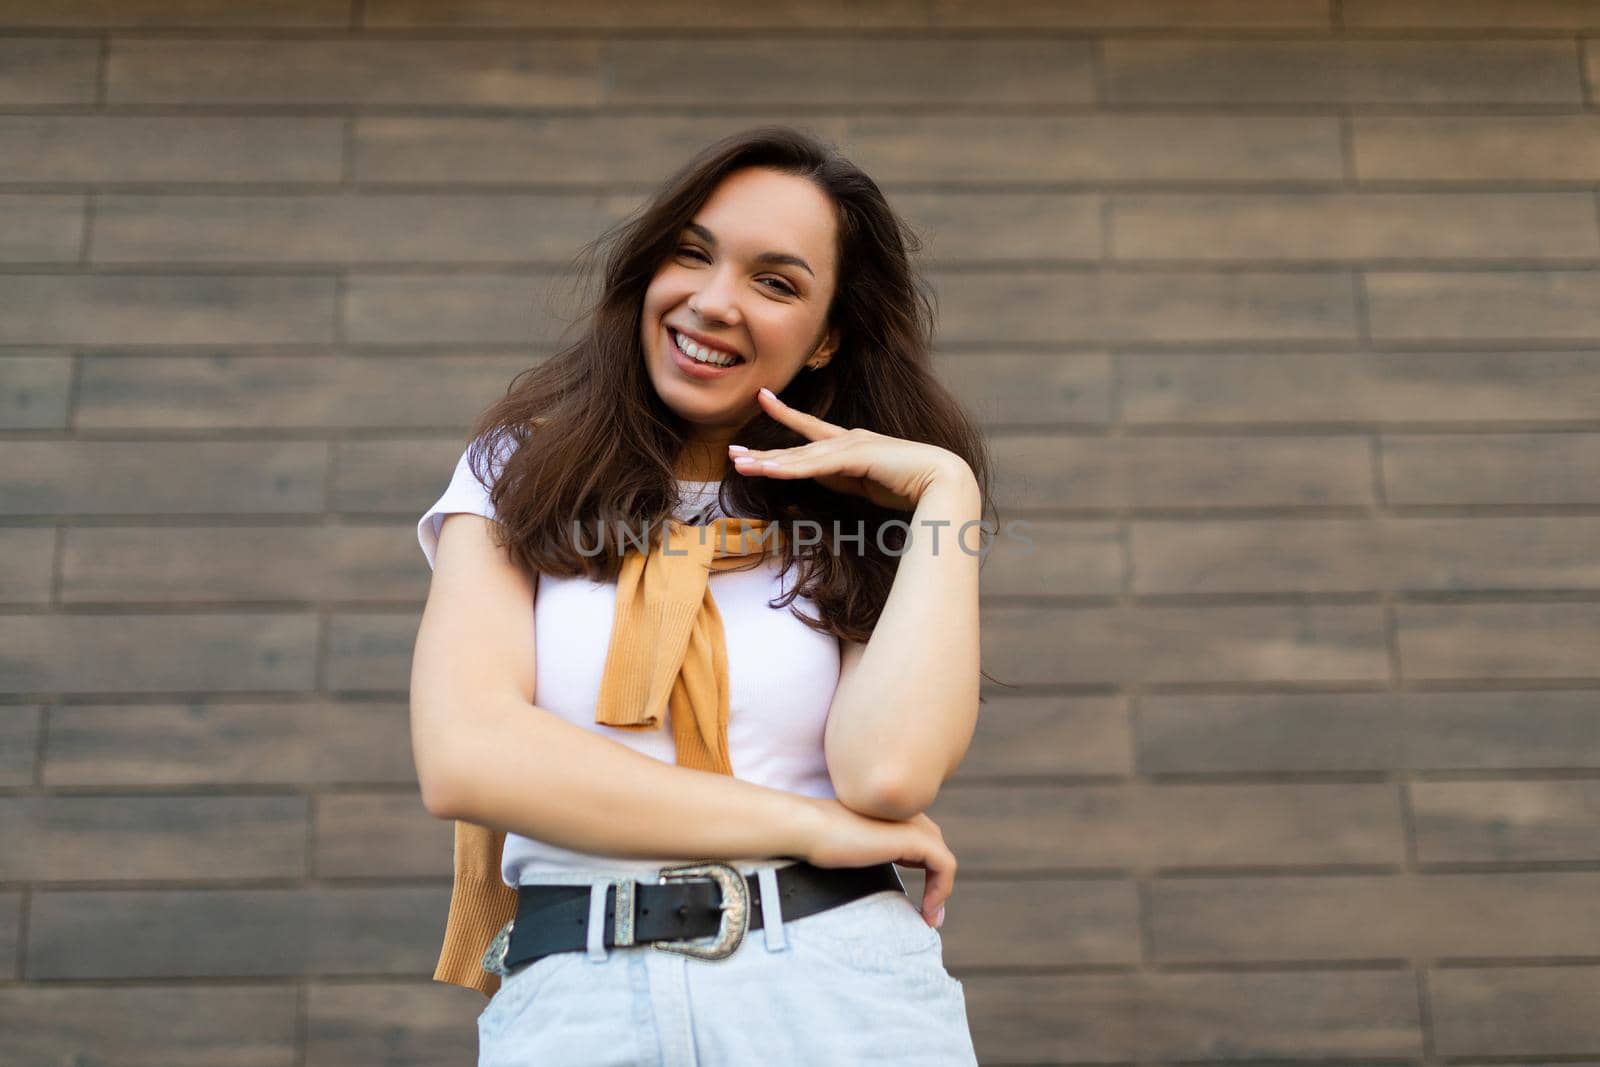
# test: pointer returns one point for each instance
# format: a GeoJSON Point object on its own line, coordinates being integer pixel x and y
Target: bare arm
{"type": "Point", "coordinates": [907, 701]}
{"type": "Point", "coordinates": [485, 753]}
{"type": "Point", "coordinates": [582, 791]}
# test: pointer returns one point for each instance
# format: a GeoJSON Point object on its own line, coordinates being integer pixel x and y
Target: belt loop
{"type": "Point", "coordinates": [771, 909]}
{"type": "Point", "coordinates": [597, 918]}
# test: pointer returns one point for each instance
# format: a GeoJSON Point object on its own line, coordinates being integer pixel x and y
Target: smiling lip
{"type": "Point", "coordinates": [692, 368]}
{"type": "Point", "coordinates": [702, 339]}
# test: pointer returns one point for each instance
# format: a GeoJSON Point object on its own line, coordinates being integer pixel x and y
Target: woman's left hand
{"type": "Point", "coordinates": [889, 471]}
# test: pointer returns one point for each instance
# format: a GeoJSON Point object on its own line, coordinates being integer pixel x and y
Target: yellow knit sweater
{"type": "Point", "coordinates": [666, 652]}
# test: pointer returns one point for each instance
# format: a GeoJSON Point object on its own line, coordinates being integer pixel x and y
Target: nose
{"type": "Point", "coordinates": [714, 302]}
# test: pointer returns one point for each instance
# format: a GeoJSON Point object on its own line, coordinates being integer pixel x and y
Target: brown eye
{"type": "Point", "coordinates": [694, 253]}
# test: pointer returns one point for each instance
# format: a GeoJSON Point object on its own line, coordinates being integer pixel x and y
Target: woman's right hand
{"type": "Point", "coordinates": [846, 838]}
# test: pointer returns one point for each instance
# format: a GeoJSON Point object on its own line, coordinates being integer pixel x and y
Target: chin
{"type": "Point", "coordinates": [688, 404]}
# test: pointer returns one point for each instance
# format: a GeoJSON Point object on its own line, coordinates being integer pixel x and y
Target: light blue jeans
{"type": "Point", "coordinates": [862, 982]}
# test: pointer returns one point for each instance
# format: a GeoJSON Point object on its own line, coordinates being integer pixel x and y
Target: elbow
{"type": "Point", "coordinates": [437, 797]}
{"type": "Point", "coordinates": [444, 750]}
{"type": "Point", "coordinates": [438, 786]}
{"type": "Point", "coordinates": [439, 804]}
{"type": "Point", "coordinates": [892, 797]}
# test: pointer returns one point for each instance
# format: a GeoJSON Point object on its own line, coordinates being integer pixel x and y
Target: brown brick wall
{"type": "Point", "coordinates": [1284, 316]}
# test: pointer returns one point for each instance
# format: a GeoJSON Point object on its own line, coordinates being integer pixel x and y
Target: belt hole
{"type": "Point", "coordinates": [683, 911]}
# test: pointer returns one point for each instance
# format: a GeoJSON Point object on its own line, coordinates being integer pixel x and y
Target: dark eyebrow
{"type": "Point", "coordinates": [764, 257]}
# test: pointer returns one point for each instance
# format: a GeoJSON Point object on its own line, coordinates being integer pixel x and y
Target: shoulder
{"type": "Point", "coordinates": [477, 468]}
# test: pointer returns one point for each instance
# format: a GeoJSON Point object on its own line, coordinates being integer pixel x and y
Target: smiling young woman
{"type": "Point", "coordinates": [727, 314]}
{"type": "Point", "coordinates": [675, 839]}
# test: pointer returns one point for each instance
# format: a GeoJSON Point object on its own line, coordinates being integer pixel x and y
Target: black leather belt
{"type": "Point", "coordinates": [700, 910]}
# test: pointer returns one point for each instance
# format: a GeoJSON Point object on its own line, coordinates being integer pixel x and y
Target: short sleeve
{"type": "Point", "coordinates": [464, 493]}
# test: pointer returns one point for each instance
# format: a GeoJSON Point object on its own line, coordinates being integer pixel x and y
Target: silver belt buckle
{"type": "Point", "coordinates": [735, 908]}
{"type": "Point", "coordinates": [494, 958]}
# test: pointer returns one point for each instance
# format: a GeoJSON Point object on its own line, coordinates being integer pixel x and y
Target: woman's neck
{"type": "Point", "coordinates": [702, 461]}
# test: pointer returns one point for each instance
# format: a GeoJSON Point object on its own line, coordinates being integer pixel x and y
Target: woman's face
{"type": "Point", "coordinates": [752, 274]}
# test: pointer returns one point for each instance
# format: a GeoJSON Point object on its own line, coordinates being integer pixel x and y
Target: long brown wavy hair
{"type": "Point", "coordinates": [583, 440]}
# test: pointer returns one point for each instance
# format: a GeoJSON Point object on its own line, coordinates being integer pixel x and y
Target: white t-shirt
{"type": "Point", "coordinates": [781, 675]}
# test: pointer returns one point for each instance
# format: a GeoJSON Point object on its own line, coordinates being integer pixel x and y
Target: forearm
{"type": "Point", "coordinates": [901, 722]}
{"type": "Point", "coordinates": [528, 771]}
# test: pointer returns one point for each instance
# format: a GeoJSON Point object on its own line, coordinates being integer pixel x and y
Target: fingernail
{"type": "Point", "coordinates": [769, 393]}
{"type": "Point", "coordinates": [737, 448]}
{"type": "Point", "coordinates": [938, 917]}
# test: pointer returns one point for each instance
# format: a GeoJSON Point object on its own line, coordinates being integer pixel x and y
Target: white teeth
{"type": "Point", "coordinates": [701, 354]}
